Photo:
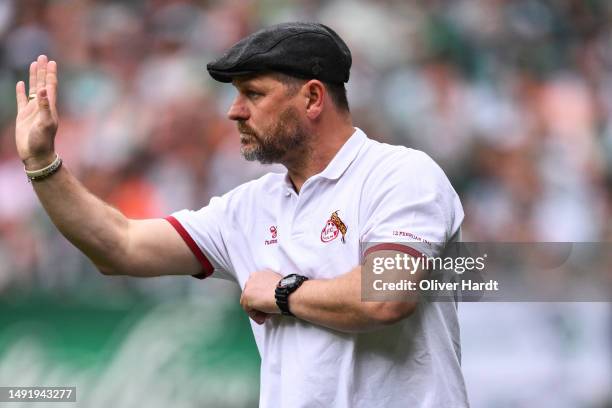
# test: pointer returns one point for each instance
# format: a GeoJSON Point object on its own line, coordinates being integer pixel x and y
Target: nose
{"type": "Point", "coordinates": [238, 110]}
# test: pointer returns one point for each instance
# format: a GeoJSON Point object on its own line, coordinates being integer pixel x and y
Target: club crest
{"type": "Point", "coordinates": [333, 227]}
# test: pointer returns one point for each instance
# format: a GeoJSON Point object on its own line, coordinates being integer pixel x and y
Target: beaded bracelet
{"type": "Point", "coordinates": [38, 175]}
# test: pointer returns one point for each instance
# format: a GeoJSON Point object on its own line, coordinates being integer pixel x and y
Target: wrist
{"type": "Point", "coordinates": [45, 172]}
{"type": "Point", "coordinates": [286, 286]}
{"type": "Point", "coordinates": [33, 163]}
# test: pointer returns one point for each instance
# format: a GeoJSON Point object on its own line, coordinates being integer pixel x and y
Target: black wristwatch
{"type": "Point", "coordinates": [285, 287]}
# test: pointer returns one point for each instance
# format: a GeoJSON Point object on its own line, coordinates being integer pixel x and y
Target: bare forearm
{"type": "Point", "coordinates": [115, 244]}
{"type": "Point", "coordinates": [320, 303]}
{"type": "Point", "coordinates": [337, 304]}
{"type": "Point", "coordinates": [93, 226]}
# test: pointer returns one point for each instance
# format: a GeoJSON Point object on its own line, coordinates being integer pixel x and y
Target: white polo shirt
{"type": "Point", "coordinates": [381, 193]}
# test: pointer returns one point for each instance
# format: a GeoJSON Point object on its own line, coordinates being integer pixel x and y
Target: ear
{"type": "Point", "coordinates": [315, 92]}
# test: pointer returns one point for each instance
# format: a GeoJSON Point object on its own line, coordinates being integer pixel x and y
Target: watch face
{"type": "Point", "coordinates": [289, 280]}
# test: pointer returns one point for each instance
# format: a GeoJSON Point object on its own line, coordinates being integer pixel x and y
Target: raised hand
{"type": "Point", "coordinates": [37, 118]}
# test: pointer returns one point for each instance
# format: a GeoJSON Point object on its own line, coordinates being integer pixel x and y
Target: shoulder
{"type": "Point", "coordinates": [400, 165]}
{"type": "Point", "coordinates": [406, 187]}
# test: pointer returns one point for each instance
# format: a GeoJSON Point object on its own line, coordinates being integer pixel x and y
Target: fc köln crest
{"type": "Point", "coordinates": [333, 227]}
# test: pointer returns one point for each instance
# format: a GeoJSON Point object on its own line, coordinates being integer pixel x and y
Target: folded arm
{"type": "Point", "coordinates": [333, 303]}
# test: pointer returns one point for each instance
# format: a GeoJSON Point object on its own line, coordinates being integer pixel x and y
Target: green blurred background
{"type": "Point", "coordinates": [130, 350]}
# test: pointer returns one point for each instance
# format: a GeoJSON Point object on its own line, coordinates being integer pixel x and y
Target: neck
{"type": "Point", "coordinates": [325, 144]}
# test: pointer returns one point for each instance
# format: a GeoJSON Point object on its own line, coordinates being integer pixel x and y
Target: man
{"type": "Point", "coordinates": [320, 344]}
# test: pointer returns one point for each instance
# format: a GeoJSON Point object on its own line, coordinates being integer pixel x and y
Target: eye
{"type": "Point", "coordinates": [253, 94]}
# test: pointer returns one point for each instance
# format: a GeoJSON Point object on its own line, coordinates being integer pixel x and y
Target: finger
{"type": "Point", "coordinates": [41, 72]}
{"type": "Point", "coordinates": [51, 81]}
{"type": "Point", "coordinates": [32, 80]}
{"type": "Point", "coordinates": [258, 317]}
{"type": "Point", "coordinates": [43, 106]}
{"type": "Point", "coordinates": [262, 317]}
{"type": "Point", "coordinates": [22, 99]}
{"type": "Point", "coordinates": [245, 303]}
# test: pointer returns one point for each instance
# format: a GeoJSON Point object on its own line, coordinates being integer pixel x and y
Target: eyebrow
{"type": "Point", "coordinates": [244, 80]}
{"type": "Point", "coordinates": [257, 86]}
{"type": "Point", "coordinates": [252, 81]}
{"type": "Point", "coordinates": [247, 85]}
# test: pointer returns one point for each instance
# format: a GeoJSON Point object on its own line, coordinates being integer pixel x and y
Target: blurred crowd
{"type": "Point", "coordinates": [512, 98]}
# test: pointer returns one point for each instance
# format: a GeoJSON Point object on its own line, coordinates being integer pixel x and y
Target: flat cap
{"type": "Point", "coordinates": [303, 50]}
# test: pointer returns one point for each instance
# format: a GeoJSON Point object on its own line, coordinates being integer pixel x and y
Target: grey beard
{"type": "Point", "coordinates": [288, 138]}
{"type": "Point", "coordinates": [265, 154]}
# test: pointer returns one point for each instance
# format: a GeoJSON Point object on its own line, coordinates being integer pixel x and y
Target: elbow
{"type": "Point", "coordinates": [108, 270]}
{"type": "Point", "coordinates": [387, 313]}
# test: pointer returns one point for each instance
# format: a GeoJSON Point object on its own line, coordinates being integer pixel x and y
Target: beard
{"type": "Point", "coordinates": [285, 138]}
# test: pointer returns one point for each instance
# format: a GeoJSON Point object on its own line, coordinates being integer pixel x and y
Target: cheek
{"type": "Point", "coordinates": [263, 126]}
{"type": "Point", "coordinates": [257, 120]}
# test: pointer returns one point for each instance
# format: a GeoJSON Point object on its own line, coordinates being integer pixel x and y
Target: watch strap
{"type": "Point", "coordinates": [282, 293]}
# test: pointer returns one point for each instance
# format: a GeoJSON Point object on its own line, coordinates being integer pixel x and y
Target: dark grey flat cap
{"type": "Point", "coordinates": [303, 50]}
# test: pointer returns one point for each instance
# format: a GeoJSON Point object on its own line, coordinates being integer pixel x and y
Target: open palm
{"type": "Point", "coordinates": [37, 119]}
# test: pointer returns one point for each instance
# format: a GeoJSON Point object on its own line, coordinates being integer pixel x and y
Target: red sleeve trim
{"type": "Point", "coordinates": [394, 247]}
{"type": "Point", "coordinates": [207, 268]}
